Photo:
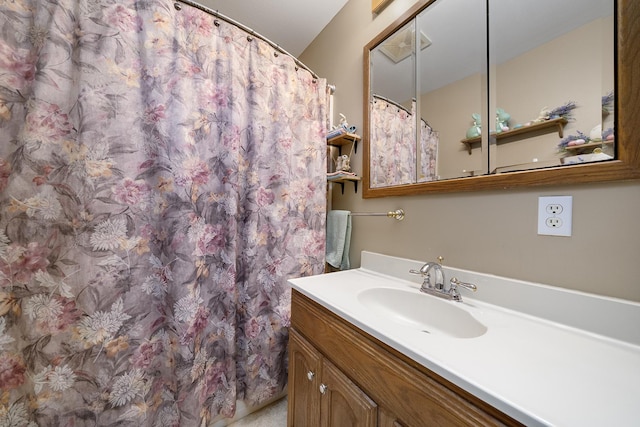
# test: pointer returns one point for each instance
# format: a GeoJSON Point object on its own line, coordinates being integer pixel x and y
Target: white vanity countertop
{"type": "Point", "coordinates": [528, 364]}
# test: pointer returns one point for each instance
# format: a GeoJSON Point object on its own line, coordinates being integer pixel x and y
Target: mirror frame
{"type": "Point", "coordinates": [627, 92]}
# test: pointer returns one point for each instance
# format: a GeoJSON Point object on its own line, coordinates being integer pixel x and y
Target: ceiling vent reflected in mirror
{"type": "Point", "coordinates": [399, 46]}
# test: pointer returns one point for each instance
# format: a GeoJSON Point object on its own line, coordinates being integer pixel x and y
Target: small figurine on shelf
{"type": "Point", "coordinates": [475, 130]}
{"type": "Point", "coordinates": [502, 120]}
{"type": "Point", "coordinates": [543, 116]}
{"type": "Point", "coordinates": [595, 134]}
{"type": "Point", "coordinates": [343, 121]}
{"type": "Point", "coordinates": [343, 163]}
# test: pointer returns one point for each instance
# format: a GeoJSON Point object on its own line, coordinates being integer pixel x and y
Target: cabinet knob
{"type": "Point", "coordinates": [310, 375]}
{"type": "Point", "coordinates": [323, 388]}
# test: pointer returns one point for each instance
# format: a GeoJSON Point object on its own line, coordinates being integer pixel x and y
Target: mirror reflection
{"type": "Point", "coordinates": [452, 81]}
{"type": "Point", "coordinates": [551, 62]}
{"type": "Point", "coordinates": [392, 110]}
{"type": "Point", "coordinates": [534, 89]}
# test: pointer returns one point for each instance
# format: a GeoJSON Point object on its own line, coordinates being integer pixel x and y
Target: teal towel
{"type": "Point", "coordinates": [338, 239]}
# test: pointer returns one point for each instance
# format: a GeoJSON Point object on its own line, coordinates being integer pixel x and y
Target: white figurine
{"type": "Point", "coordinates": [543, 116]}
{"type": "Point", "coordinates": [343, 163]}
{"type": "Point", "coordinates": [343, 123]}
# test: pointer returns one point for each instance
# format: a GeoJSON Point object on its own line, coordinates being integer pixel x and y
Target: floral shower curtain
{"type": "Point", "coordinates": [162, 174]}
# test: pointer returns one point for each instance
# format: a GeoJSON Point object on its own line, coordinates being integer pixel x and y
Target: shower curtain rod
{"type": "Point", "coordinates": [397, 214]}
{"type": "Point", "coordinates": [391, 102]}
{"type": "Point", "coordinates": [399, 106]}
{"type": "Point", "coordinates": [245, 28]}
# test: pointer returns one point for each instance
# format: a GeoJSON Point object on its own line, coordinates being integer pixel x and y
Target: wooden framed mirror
{"type": "Point", "coordinates": [625, 161]}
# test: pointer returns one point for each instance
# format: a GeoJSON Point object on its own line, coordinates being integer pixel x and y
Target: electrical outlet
{"type": "Point", "coordinates": [554, 215]}
{"type": "Point", "coordinates": [554, 208]}
{"type": "Point", "coordinates": [553, 222]}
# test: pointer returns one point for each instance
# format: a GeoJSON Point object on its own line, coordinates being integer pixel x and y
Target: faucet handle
{"type": "Point", "coordinates": [453, 288]}
{"type": "Point", "coordinates": [455, 283]}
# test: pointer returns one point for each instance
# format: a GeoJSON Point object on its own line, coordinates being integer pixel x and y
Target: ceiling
{"type": "Point", "coordinates": [291, 24]}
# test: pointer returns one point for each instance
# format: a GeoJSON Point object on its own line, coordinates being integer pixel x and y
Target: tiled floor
{"type": "Point", "coordinates": [274, 415]}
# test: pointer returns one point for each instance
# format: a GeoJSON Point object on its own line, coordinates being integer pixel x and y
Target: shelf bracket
{"type": "Point", "coordinates": [355, 185]}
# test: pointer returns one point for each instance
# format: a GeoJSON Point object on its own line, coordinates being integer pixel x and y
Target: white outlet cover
{"type": "Point", "coordinates": [547, 227]}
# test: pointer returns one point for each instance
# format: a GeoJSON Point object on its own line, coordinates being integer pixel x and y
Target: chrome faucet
{"type": "Point", "coordinates": [425, 271]}
{"type": "Point", "coordinates": [437, 287]}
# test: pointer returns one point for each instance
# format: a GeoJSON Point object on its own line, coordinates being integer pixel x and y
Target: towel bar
{"type": "Point", "coordinates": [397, 214]}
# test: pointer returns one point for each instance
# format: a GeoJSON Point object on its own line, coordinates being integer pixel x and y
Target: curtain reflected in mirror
{"type": "Point", "coordinates": [392, 164]}
{"type": "Point", "coordinates": [396, 163]}
{"type": "Point", "coordinates": [392, 110]}
{"type": "Point", "coordinates": [429, 141]}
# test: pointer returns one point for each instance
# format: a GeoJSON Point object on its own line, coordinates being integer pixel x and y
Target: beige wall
{"type": "Point", "coordinates": [448, 109]}
{"type": "Point", "coordinates": [489, 231]}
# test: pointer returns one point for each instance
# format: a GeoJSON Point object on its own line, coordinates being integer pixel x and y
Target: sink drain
{"type": "Point", "coordinates": [426, 332]}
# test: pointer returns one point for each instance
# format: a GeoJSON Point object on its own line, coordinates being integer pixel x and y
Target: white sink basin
{"type": "Point", "coordinates": [424, 312]}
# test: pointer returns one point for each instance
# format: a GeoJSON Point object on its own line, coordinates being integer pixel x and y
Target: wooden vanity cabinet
{"type": "Point", "coordinates": [320, 395]}
{"type": "Point", "coordinates": [367, 382]}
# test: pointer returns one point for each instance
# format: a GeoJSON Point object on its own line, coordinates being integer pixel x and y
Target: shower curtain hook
{"type": "Point", "coordinates": [177, 6]}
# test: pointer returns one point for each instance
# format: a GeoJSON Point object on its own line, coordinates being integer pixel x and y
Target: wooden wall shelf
{"type": "Point", "coordinates": [344, 139]}
{"type": "Point", "coordinates": [548, 124]}
{"type": "Point", "coordinates": [342, 180]}
{"type": "Point", "coordinates": [340, 141]}
{"type": "Point", "coordinates": [583, 147]}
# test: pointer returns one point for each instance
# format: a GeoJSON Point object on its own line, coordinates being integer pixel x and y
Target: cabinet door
{"type": "Point", "coordinates": [343, 404]}
{"type": "Point", "coordinates": [304, 372]}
